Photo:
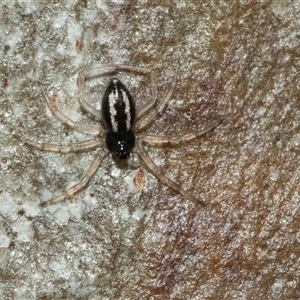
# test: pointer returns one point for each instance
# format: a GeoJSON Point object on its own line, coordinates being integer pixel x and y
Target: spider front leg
{"type": "Point", "coordinates": [88, 129]}
{"type": "Point", "coordinates": [157, 110]}
{"type": "Point", "coordinates": [82, 183]}
{"type": "Point", "coordinates": [97, 72]}
{"type": "Point", "coordinates": [168, 182]}
{"type": "Point", "coordinates": [84, 104]}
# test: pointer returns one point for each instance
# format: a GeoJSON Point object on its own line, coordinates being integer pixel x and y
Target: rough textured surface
{"type": "Point", "coordinates": [239, 62]}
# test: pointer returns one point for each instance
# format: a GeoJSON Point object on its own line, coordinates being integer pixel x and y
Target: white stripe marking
{"type": "Point", "coordinates": [127, 110]}
{"type": "Point", "coordinates": [112, 110]}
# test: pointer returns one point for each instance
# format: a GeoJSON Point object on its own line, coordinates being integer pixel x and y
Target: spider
{"type": "Point", "coordinates": [122, 121]}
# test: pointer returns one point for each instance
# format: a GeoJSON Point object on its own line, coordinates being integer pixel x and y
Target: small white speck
{"type": "Point", "coordinates": [29, 6]}
{"type": "Point", "coordinates": [60, 267]}
{"type": "Point", "coordinates": [22, 227]}
{"type": "Point", "coordinates": [62, 215]}
{"type": "Point", "coordinates": [4, 239]}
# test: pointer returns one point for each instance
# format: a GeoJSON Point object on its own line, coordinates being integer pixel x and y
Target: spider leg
{"type": "Point", "coordinates": [115, 68]}
{"type": "Point", "coordinates": [74, 147]}
{"type": "Point", "coordinates": [168, 182]}
{"type": "Point", "coordinates": [100, 155]}
{"type": "Point", "coordinates": [149, 104]}
{"type": "Point", "coordinates": [154, 140]}
{"type": "Point", "coordinates": [84, 104]}
{"type": "Point", "coordinates": [141, 123]}
{"type": "Point", "coordinates": [88, 129]}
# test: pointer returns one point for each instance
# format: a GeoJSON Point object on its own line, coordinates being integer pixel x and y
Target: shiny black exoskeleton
{"type": "Point", "coordinates": [118, 111]}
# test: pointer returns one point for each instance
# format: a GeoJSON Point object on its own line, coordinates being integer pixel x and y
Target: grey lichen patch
{"type": "Point", "coordinates": [238, 61]}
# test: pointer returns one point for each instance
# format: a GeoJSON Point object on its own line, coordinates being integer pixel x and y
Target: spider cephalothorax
{"type": "Point", "coordinates": [120, 144]}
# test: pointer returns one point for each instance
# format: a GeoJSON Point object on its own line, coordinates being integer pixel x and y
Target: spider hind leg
{"type": "Point", "coordinates": [163, 179]}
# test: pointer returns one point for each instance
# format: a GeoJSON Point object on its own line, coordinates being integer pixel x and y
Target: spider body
{"type": "Point", "coordinates": [122, 120]}
{"type": "Point", "coordinates": [118, 111]}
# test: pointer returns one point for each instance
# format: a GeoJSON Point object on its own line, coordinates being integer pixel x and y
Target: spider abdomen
{"type": "Point", "coordinates": [118, 107]}
{"type": "Point", "coordinates": [118, 111]}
